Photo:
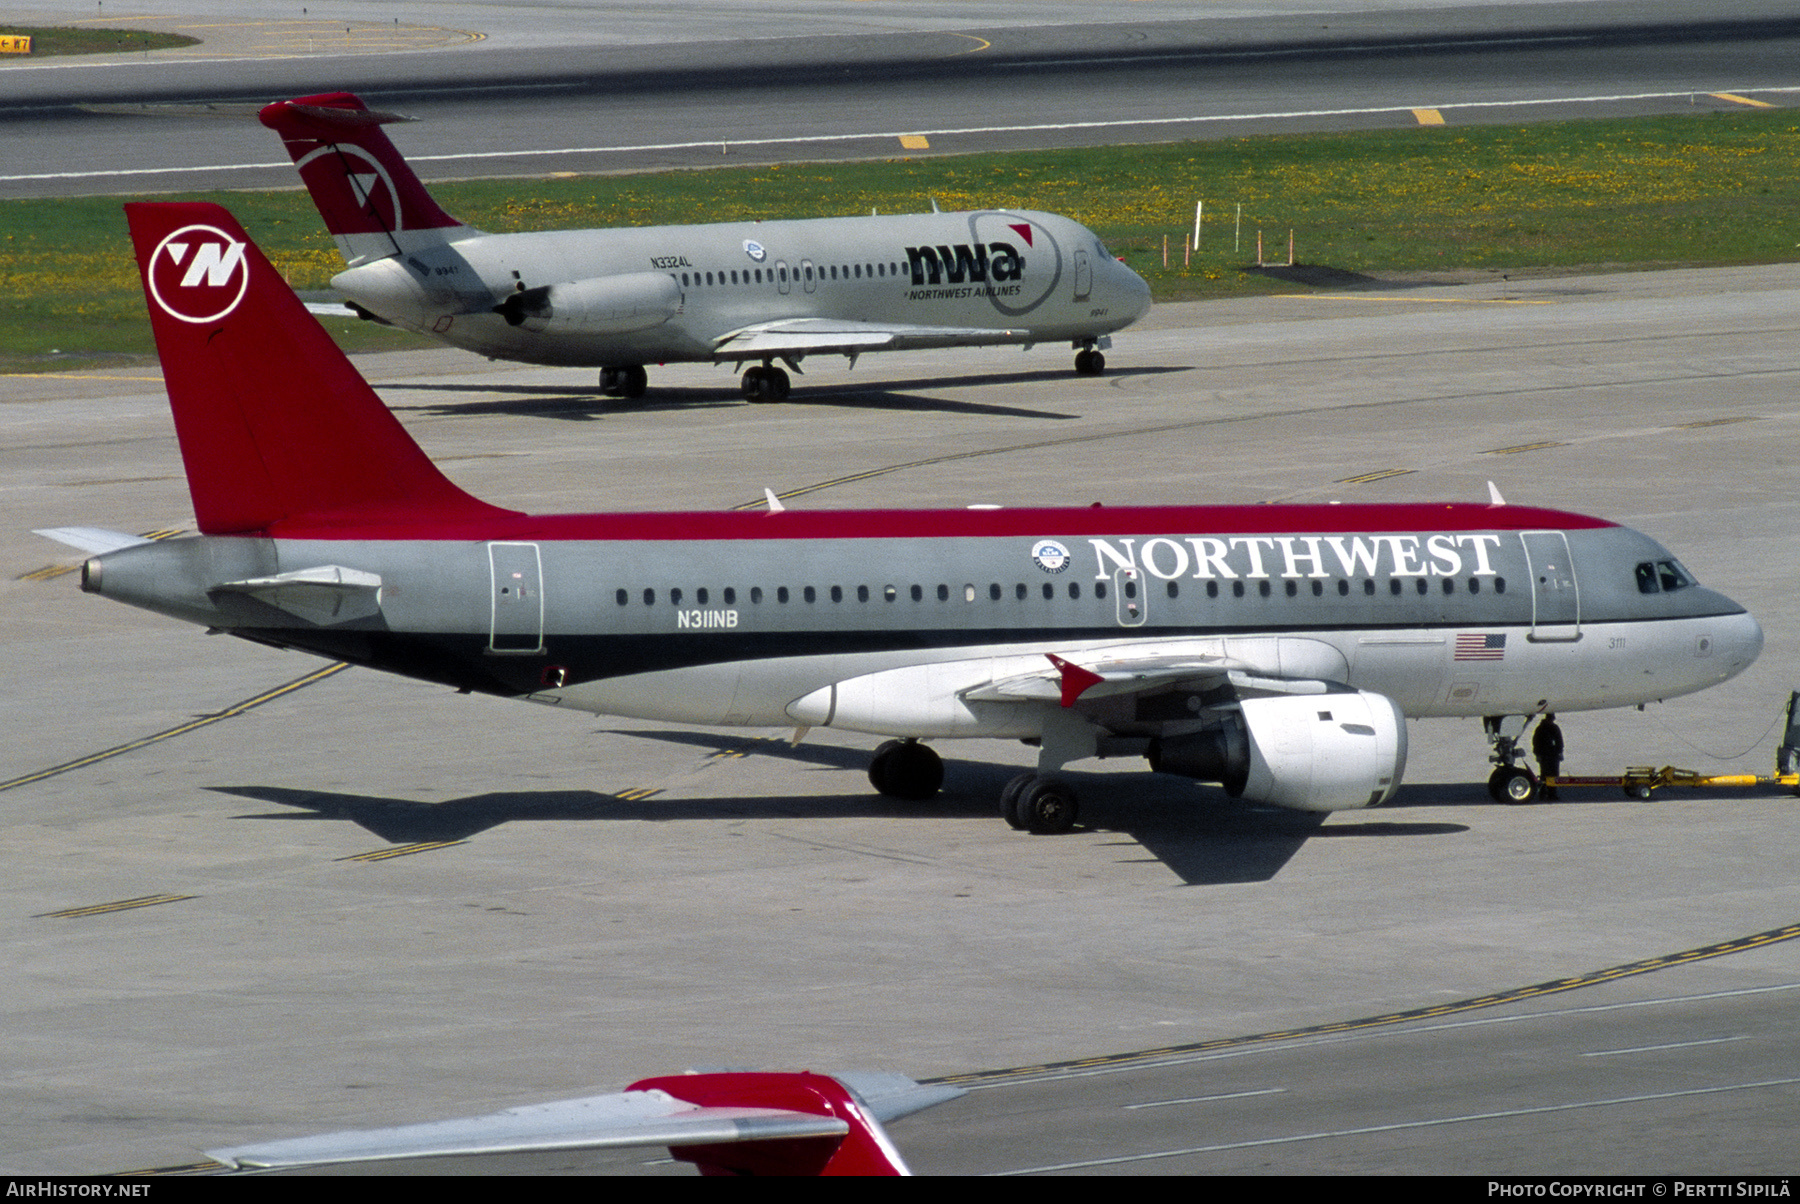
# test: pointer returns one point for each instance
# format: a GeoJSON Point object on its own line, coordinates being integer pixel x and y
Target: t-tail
{"type": "Point", "coordinates": [370, 199]}
{"type": "Point", "coordinates": [275, 423]}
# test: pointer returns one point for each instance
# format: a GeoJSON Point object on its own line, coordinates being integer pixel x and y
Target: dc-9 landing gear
{"type": "Point", "coordinates": [1511, 782]}
{"type": "Point", "coordinates": [764, 383]}
{"type": "Point", "coordinates": [629, 380]}
{"type": "Point", "coordinates": [1088, 360]}
{"type": "Point", "coordinates": [906, 769]}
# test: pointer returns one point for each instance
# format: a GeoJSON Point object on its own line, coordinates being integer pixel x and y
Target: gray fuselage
{"type": "Point", "coordinates": [737, 621]}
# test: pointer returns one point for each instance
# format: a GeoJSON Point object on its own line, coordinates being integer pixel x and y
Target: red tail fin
{"type": "Point", "coordinates": [357, 178]}
{"type": "Point", "coordinates": [274, 421]}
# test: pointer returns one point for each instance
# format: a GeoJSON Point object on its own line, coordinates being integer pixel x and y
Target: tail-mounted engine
{"type": "Point", "coordinates": [605, 304]}
{"type": "Point", "coordinates": [1313, 752]}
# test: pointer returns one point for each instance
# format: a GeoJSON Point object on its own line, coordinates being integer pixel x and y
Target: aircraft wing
{"type": "Point", "coordinates": [1114, 685]}
{"type": "Point", "coordinates": [722, 1109]}
{"type": "Point", "coordinates": [1064, 681]}
{"type": "Point", "coordinates": [835, 336]}
{"type": "Point", "coordinates": [1261, 665]}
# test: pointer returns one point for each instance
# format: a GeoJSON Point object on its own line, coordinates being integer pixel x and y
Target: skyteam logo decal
{"type": "Point", "coordinates": [198, 274]}
{"type": "Point", "coordinates": [754, 250]}
{"type": "Point", "coordinates": [1050, 556]}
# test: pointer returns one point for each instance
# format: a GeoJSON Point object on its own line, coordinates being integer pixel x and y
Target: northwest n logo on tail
{"type": "Point", "coordinates": [198, 274]}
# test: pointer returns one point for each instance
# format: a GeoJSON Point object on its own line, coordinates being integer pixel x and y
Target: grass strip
{"type": "Point", "coordinates": [48, 40]}
{"type": "Point", "coordinates": [1707, 189]}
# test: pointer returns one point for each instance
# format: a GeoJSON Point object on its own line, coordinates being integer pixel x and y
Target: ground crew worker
{"type": "Point", "coordinates": [1547, 747]}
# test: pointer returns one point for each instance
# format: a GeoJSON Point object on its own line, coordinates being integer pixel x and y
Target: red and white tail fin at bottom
{"type": "Point", "coordinates": [370, 199]}
{"type": "Point", "coordinates": [730, 1123]}
{"type": "Point", "coordinates": [274, 422]}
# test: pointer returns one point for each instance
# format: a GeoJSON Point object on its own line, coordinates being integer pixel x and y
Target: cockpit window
{"type": "Point", "coordinates": [1661, 576]}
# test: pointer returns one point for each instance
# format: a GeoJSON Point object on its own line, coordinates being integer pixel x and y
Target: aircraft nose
{"type": "Point", "coordinates": [1134, 290]}
{"type": "Point", "coordinates": [1743, 640]}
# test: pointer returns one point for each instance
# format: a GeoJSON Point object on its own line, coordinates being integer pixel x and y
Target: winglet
{"type": "Point", "coordinates": [1494, 498]}
{"type": "Point", "coordinates": [1075, 679]}
{"type": "Point", "coordinates": [775, 506]}
{"type": "Point", "coordinates": [863, 1150]}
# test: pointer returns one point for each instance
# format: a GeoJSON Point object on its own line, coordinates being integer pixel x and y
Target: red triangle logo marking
{"type": "Point", "coordinates": [1023, 230]}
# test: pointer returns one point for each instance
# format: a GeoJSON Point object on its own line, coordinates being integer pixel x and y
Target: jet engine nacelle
{"type": "Point", "coordinates": [602, 305]}
{"type": "Point", "coordinates": [1312, 752]}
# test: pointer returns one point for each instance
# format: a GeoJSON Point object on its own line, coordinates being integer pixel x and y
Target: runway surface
{"type": "Point", "coordinates": [369, 901]}
{"type": "Point", "coordinates": [526, 89]}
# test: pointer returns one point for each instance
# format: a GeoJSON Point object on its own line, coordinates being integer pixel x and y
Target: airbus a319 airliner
{"type": "Point", "coordinates": [731, 293]}
{"type": "Point", "coordinates": [1276, 650]}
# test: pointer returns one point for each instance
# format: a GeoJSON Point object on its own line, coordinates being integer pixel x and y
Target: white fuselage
{"type": "Point", "coordinates": [676, 293]}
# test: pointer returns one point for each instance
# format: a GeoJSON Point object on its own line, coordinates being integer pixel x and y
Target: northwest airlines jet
{"type": "Point", "coordinates": [733, 293]}
{"type": "Point", "coordinates": [1276, 650]}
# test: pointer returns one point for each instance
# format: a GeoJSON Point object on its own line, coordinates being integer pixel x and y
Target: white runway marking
{"type": "Point", "coordinates": [890, 135]}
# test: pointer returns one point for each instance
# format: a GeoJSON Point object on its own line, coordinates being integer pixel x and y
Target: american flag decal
{"type": "Point", "coordinates": [1473, 646]}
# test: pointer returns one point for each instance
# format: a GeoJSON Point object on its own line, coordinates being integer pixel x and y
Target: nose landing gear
{"type": "Point", "coordinates": [1088, 360]}
{"type": "Point", "coordinates": [1511, 782]}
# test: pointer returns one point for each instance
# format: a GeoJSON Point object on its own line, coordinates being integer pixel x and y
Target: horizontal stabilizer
{"type": "Point", "coordinates": [96, 541]}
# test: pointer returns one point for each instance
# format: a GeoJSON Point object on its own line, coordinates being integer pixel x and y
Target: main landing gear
{"type": "Point", "coordinates": [764, 383]}
{"type": "Point", "coordinates": [906, 769]}
{"type": "Point", "coordinates": [1039, 804]}
{"type": "Point", "coordinates": [1511, 782]}
{"type": "Point", "coordinates": [629, 380]}
{"type": "Point", "coordinates": [1032, 802]}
